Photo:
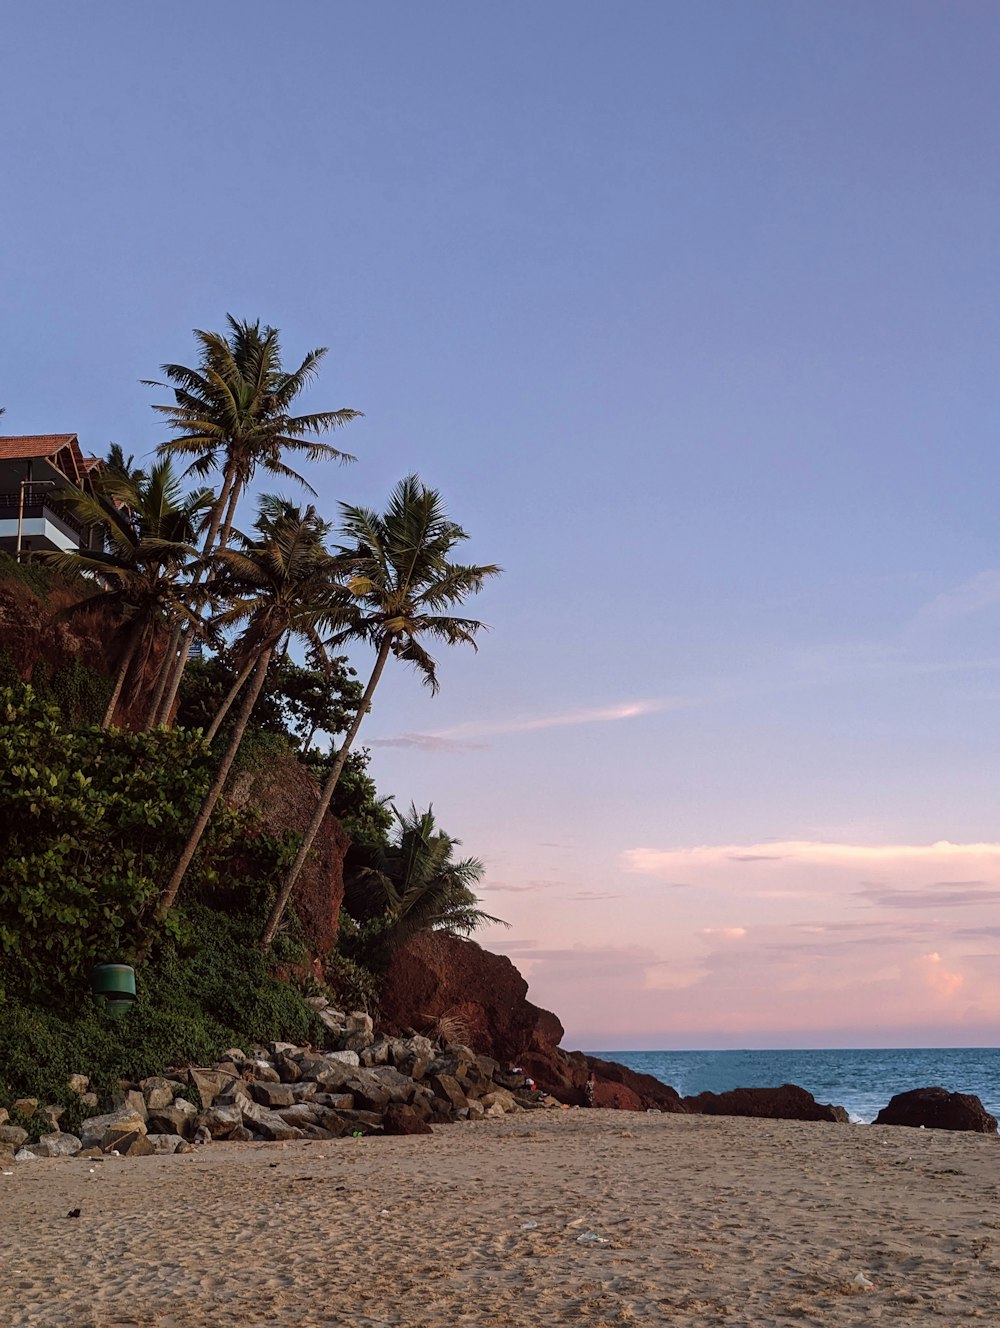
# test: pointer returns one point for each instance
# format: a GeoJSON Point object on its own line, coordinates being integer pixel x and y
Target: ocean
{"type": "Point", "coordinates": [863, 1081]}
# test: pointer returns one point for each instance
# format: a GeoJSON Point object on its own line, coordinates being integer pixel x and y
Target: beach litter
{"type": "Point", "coordinates": [591, 1238]}
{"type": "Point", "coordinates": [525, 1226]}
{"type": "Point", "coordinates": [862, 1283]}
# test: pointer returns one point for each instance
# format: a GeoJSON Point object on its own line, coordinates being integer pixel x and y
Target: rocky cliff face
{"type": "Point", "coordinates": [284, 794]}
{"type": "Point", "coordinates": [438, 976]}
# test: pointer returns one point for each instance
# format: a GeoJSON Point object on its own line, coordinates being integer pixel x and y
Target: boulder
{"type": "Point", "coordinates": [178, 1118]}
{"type": "Point", "coordinates": [262, 1121]}
{"type": "Point", "coordinates": [789, 1102]}
{"type": "Point", "coordinates": [358, 1031]}
{"type": "Point", "coordinates": [25, 1106]}
{"type": "Point", "coordinates": [220, 1121]}
{"type": "Point", "coordinates": [938, 1109]}
{"type": "Point", "coordinates": [272, 1095]}
{"type": "Point", "coordinates": [94, 1129]}
{"type": "Point", "coordinates": [128, 1143]}
{"type": "Point", "coordinates": [211, 1083]}
{"type": "Point", "coordinates": [369, 1093]}
{"type": "Point", "coordinates": [130, 1100]}
{"type": "Point", "coordinates": [52, 1116]}
{"type": "Point", "coordinates": [78, 1083]}
{"type": "Point", "coordinates": [445, 1086]}
{"type": "Point", "coordinates": [400, 1087]}
{"type": "Point", "coordinates": [158, 1092]}
{"type": "Point", "coordinates": [13, 1135]}
{"type": "Point", "coordinates": [164, 1143]}
{"type": "Point", "coordinates": [401, 1119]}
{"type": "Point", "coordinates": [57, 1144]}
{"type": "Point", "coordinates": [289, 1071]}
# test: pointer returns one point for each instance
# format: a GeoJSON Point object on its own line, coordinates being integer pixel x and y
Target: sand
{"type": "Point", "coordinates": [706, 1221]}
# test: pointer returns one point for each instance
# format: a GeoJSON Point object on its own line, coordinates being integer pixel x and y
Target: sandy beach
{"type": "Point", "coordinates": [704, 1221]}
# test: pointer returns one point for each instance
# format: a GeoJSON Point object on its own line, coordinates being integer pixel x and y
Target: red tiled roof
{"type": "Point", "coordinates": [35, 445]}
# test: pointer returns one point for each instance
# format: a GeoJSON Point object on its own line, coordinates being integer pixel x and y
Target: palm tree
{"type": "Point", "coordinates": [400, 579]}
{"type": "Point", "coordinates": [412, 884]}
{"type": "Point", "coordinates": [150, 527]}
{"type": "Point", "coordinates": [233, 413]}
{"type": "Point", "coordinates": [284, 582]}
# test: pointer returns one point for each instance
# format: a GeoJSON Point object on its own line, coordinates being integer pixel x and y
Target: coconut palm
{"type": "Point", "coordinates": [401, 582]}
{"type": "Point", "coordinates": [283, 582]}
{"type": "Point", "coordinates": [233, 414]}
{"type": "Point", "coordinates": [413, 884]}
{"type": "Point", "coordinates": [149, 527]}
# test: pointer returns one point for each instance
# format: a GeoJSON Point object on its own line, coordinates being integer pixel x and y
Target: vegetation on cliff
{"type": "Point", "coordinates": [123, 839]}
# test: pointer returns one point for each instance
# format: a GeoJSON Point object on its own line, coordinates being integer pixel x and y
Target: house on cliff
{"type": "Point", "coordinates": [36, 472]}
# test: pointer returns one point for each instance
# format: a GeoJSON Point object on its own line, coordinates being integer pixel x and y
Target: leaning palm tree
{"type": "Point", "coordinates": [413, 884]}
{"type": "Point", "coordinates": [149, 527]}
{"type": "Point", "coordinates": [400, 579]}
{"type": "Point", "coordinates": [233, 414]}
{"type": "Point", "coordinates": [284, 582]}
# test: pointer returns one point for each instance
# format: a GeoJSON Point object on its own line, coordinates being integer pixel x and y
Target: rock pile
{"type": "Point", "coordinates": [361, 1084]}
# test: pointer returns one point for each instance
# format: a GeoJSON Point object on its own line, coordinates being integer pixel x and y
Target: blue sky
{"type": "Point", "coordinates": [690, 311]}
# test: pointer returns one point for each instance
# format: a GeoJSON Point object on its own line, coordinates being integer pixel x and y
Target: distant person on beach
{"type": "Point", "coordinates": [589, 1089]}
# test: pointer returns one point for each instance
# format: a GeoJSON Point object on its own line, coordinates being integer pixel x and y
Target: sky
{"type": "Point", "coordinates": [690, 311]}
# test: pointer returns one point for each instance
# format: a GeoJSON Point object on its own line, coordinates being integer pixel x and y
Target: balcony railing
{"type": "Point", "coordinates": [39, 501]}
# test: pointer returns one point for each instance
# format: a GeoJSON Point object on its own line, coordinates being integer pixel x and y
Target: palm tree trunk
{"type": "Point", "coordinates": [227, 495]}
{"type": "Point", "coordinates": [218, 784]}
{"type": "Point", "coordinates": [234, 691]}
{"type": "Point", "coordinates": [227, 525]}
{"type": "Point", "coordinates": [165, 668]}
{"type": "Point", "coordinates": [130, 649]}
{"type": "Point", "coordinates": [280, 904]}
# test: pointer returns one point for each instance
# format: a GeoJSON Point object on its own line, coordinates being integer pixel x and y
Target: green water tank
{"type": "Point", "coordinates": [113, 986]}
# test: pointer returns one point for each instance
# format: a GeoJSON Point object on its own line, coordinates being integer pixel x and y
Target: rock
{"type": "Point", "coordinates": [435, 974]}
{"type": "Point", "coordinates": [93, 1130]}
{"type": "Point", "coordinates": [304, 1091]}
{"type": "Point", "coordinates": [164, 1143]}
{"type": "Point", "coordinates": [272, 1095]}
{"type": "Point", "coordinates": [212, 1083]}
{"type": "Point", "coordinates": [13, 1134]}
{"type": "Point", "coordinates": [25, 1106]}
{"type": "Point", "coordinates": [368, 1122]}
{"type": "Point", "coordinates": [25, 1155]}
{"type": "Point", "coordinates": [52, 1116]}
{"type": "Point", "coordinates": [131, 1143]}
{"type": "Point", "coordinates": [938, 1109]}
{"type": "Point", "coordinates": [58, 1144]}
{"type": "Point", "coordinates": [448, 1088]}
{"type": "Point", "coordinates": [501, 1095]}
{"type": "Point", "coordinates": [789, 1102]}
{"type": "Point", "coordinates": [184, 1147]}
{"type": "Point", "coordinates": [289, 1071]}
{"type": "Point", "coordinates": [4, 1115]}
{"type": "Point", "coordinates": [400, 1087]}
{"type": "Point", "coordinates": [346, 1057]}
{"type": "Point", "coordinates": [158, 1092]}
{"type": "Point", "coordinates": [234, 1054]}
{"type": "Point", "coordinates": [338, 1101]}
{"type": "Point", "coordinates": [261, 1071]}
{"type": "Point", "coordinates": [90, 1099]}
{"type": "Point", "coordinates": [175, 1119]}
{"type": "Point", "coordinates": [401, 1119]}
{"type": "Point", "coordinates": [369, 1093]}
{"type": "Point", "coordinates": [317, 1003]}
{"type": "Point", "coordinates": [131, 1100]}
{"type": "Point", "coordinates": [359, 1032]}
{"type": "Point", "coordinates": [219, 1121]}
{"type": "Point", "coordinates": [78, 1083]}
{"type": "Point", "coordinates": [241, 1135]}
{"type": "Point", "coordinates": [268, 1123]}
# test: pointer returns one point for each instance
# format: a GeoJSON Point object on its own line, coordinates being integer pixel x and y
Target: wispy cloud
{"type": "Point", "coordinates": [674, 862]}
{"type": "Point", "coordinates": [980, 592]}
{"type": "Point", "coordinates": [519, 888]}
{"type": "Point", "coordinates": [458, 737]}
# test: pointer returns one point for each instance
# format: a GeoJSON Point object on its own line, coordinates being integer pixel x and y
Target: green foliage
{"type": "Point", "coordinates": [193, 1002]}
{"type": "Point", "coordinates": [39, 579]}
{"type": "Point", "coordinates": [91, 820]}
{"type": "Point", "coordinates": [351, 985]}
{"type": "Point", "coordinates": [80, 692]}
{"type": "Point", "coordinates": [409, 884]}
